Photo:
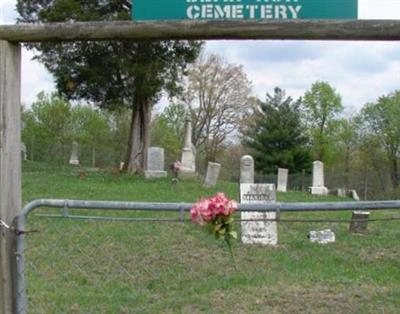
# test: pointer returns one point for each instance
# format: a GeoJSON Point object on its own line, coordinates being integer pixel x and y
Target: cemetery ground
{"type": "Point", "coordinates": [87, 266]}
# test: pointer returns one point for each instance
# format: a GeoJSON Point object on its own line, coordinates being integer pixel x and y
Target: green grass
{"type": "Point", "coordinates": [84, 266]}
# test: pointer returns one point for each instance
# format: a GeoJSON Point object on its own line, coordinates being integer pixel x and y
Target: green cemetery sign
{"type": "Point", "coordinates": [243, 9]}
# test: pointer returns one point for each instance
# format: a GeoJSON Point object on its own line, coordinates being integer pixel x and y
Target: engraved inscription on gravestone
{"type": "Point", "coordinates": [155, 163]}
{"type": "Point", "coordinates": [322, 236]}
{"type": "Point", "coordinates": [256, 230]}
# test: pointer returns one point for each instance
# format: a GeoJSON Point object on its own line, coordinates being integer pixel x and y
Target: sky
{"type": "Point", "coordinates": [359, 71]}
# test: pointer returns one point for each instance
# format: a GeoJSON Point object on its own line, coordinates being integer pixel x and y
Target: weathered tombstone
{"type": "Point", "coordinates": [155, 163]}
{"type": "Point", "coordinates": [322, 236]}
{"type": "Point", "coordinates": [188, 162]}
{"type": "Point", "coordinates": [212, 174]}
{"type": "Point", "coordinates": [341, 193]}
{"type": "Point", "coordinates": [359, 222]}
{"type": "Point", "coordinates": [354, 195]}
{"type": "Point", "coordinates": [318, 187]}
{"type": "Point", "coordinates": [282, 179]}
{"type": "Point", "coordinates": [247, 169]}
{"type": "Point", "coordinates": [74, 160]}
{"type": "Point", "coordinates": [260, 231]}
{"type": "Point", "coordinates": [23, 151]}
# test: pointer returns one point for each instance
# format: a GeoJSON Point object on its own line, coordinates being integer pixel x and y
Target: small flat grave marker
{"type": "Point", "coordinates": [322, 236]}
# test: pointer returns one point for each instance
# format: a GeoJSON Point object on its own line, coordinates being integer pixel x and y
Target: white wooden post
{"type": "Point", "coordinates": [10, 165]}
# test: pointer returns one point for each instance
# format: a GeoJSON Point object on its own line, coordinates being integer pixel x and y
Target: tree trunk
{"type": "Point", "coordinates": [394, 172]}
{"type": "Point", "coordinates": [139, 138]}
{"type": "Point", "coordinates": [32, 147]}
{"type": "Point", "coordinates": [93, 156]}
{"type": "Point", "coordinates": [347, 168]}
{"type": "Point", "coordinates": [365, 184]}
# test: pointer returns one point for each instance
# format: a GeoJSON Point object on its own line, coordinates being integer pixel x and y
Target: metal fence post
{"type": "Point", "coordinates": [65, 209]}
{"type": "Point", "coordinates": [181, 213]}
{"type": "Point", "coordinates": [20, 284]}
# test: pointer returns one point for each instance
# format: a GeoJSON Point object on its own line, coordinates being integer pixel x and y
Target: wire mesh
{"type": "Point", "coordinates": [99, 267]}
{"type": "Point", "coordinates": [91, 266]}
{"type": "Point", "coordinates": [127, 266]}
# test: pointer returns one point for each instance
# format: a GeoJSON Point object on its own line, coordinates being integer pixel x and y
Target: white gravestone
{"type": "Point", "coordinates": [318, 186]}
{"type": "Point", "coordinates": [247, 169]}
{"type": "Point", "coordinates": [341, 192]}
{"type": "Point", "coordinates": [212, 174]}
{"type": "Point", "coordinates": [260, 231]}
{"type": "Point", "coordinates": [74, 160]}
{"type": "Point", "coordinates": [354, 195]}
{"type": "Point", "coordinates": [282, 179]}
{"type": "Point", "coordinates": [322, 236]}
{"type": "Point", "coordinates": [188, 161]}
{"type": "Point", "coordinates": [155, 163]}
{"type": "Point", "coordinates": [23, 151]}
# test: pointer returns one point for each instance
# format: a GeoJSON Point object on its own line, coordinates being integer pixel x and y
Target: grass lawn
{"type": "Point", "coordinates": [85, 266]}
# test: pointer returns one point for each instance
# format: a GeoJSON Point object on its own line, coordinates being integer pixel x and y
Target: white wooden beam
{"type": "Point", "coordinates": [205, 29]}
{"type": "Point", "coordinates": [10, 165]}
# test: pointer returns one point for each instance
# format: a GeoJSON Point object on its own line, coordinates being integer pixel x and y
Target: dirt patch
{"type": "Point", "coordinates": [389, 253]}
{"type": "Point", "coordinates": [293, 299]}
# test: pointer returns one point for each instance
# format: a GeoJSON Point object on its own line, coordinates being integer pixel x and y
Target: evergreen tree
{"type": "Point", "coordinates": [110, 74]}
{"type": "Point", "coordinates": [277, 137]}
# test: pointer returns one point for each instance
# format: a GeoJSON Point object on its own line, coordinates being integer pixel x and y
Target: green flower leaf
{"type": "Point", "coordinates": [217, 227]}
{"type": "Point", "coordinates": [233, 234]}
{"type": "Point", "coordinates": [229, 220]}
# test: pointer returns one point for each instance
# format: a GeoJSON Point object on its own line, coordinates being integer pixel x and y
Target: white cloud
{"type": "Point", "coordinates": [378, 9]}
{"type": "Point", "coordinates": [360, 71]}
{"type": "Point", "coordinates": [8, 11]}
{"type": "Point", "coordinates": [35, 78]}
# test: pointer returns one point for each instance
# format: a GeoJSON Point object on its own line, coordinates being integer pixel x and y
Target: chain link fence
{"type": "Point", "coordinates": [370, 185]}
{"type": "Point", "coordinates": [101, 156]}
{"type": "Point", "coordinates": [109, 266]}
{"type": "Point", "coordinates": [89, 266]}
{"type": "Point", "coordinates": [122, 261]}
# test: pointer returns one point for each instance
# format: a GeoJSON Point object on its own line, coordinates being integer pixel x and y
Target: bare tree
{"type": "Point", "coordinates": [217, 95]}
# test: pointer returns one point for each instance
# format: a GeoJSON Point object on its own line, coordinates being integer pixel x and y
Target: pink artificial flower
{"type": "Point", "coordinates": [176, 166]}
{"type": "Point", "coordinates": [207, 210]}
{"type": "Point", "coordinates": [219, 202]}
{"type": "Point", "coordinates": [232, 206]}
{"type": "Point", "coordinates": [201, 212]}
{"type": "Point", "coordinates": [196, 216]}
{"type": "Point", "coordinates": [222, 206]}
{"type": "Point", "coordinates": [216, 211]}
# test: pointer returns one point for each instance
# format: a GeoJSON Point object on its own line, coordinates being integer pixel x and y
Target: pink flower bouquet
{"type": "Point", "coordinates": [176, 166]}
{"type": "Point", "coordinates": [216, 213]}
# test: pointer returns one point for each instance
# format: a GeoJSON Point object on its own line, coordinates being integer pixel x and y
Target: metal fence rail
{"type": "Point", "coordinates": [271, 207]}
{"type": "Point", "coordinates": [181, 208]}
